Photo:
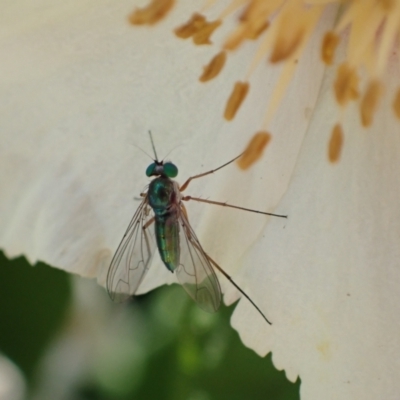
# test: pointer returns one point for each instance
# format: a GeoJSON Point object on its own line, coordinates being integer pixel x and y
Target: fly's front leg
{"type": "Point", "coordinates": [141, 196]}
{"type": "Point", "coordinates": [186, 184]}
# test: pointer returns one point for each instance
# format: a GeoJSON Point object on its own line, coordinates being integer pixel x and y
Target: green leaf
{"type": "Point", "coordinates": [33, 304]}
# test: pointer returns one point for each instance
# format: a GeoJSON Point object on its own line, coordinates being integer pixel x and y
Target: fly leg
{"type": "Point", "coordinates": [148, 223]}
{"type": "Point", "coordinates": [186, 184]}
{"type": "Point", "coordinates": [141, 196]}
{"type": "Point", "coordinates": [218, 203]}
{"type": "Point", "coordinates": [237, 287]}
{"type": "Point", "coordinates": [215, 265]}
{"type": "Point", "coordinates": [187, 231]}
{"type": "Point", "coordinates": [145, 226]}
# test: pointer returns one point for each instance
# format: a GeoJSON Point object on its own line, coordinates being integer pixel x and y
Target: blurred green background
{"type": "Point", "coordinates": [72, 343]}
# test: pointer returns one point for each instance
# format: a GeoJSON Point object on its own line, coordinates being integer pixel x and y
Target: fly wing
{"type": "Point", "coordinates": [132, 259]}
{"type": "Point", "coordinates": [195, 272]}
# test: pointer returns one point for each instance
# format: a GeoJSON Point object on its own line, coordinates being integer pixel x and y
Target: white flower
{"type": "Point", "coordinates": [12, 381]}
{"type": "Point", "coordinates": [80, 85]}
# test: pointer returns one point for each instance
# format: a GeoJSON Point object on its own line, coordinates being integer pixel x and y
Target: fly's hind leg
{"type": "Point", "coordinates": [215, 265]}
{"type": "Point", "coordinates": [237, 287]}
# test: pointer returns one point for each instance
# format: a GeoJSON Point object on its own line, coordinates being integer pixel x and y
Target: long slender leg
{"type": "Point", "coordinates": [198, 247]}
{"type": "Point", "coordinates": [146, 237]}
{"type": "Point", "coordinates": [236, 286]}
{"type": "Point", "coordinates": [218, 203]}
{"type": "Point", "coordinates": [148, 223]}
{"type": "Point", "coordinates": [186, 184]}
{"type": "Point", "coordinates": [229, 279]}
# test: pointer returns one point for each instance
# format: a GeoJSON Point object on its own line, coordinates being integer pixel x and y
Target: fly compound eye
{"type": "Point", "coordinates": [170, 170]}
{"type": "Point", "coordinates": [151, 169]}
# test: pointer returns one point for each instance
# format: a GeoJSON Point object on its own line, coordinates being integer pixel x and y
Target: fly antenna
{"type": "Point", "coordinates": [171, 151]}
{"type": "Point", "coordinates": [152, 144]}
{"type": "Point", "coordinates": [147, 154]}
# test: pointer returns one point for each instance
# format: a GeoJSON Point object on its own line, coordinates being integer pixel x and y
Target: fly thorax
{"type": "Point", "coordinates": [161, 193]}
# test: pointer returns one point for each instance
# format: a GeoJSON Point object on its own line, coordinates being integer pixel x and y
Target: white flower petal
{"type": "Point", "coordinates": [12, 382]}
{"type": "Point", "coordinates": [79, 86]}
{"type": "Point", "coordinates": [329, 277]}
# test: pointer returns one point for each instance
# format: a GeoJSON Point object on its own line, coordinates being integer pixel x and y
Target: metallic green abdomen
{"type": "Point", "coordinates": [162, 199]}
{"type": "Point", "coordinates": [167, 237]}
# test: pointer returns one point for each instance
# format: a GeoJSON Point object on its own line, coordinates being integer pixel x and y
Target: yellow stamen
{"type": "Point", "coordinates": [151, 14]}
{"type": "Point", "coordinates": [335, 144]}
{"type": "Point", "coordinates": [371, 29]}
{"type": "Point", "coordinates": [396, 104]}
{"type": "Point", "coordinates": [329, 45]}
{"type": "Point", "coordinates": [235, 100]}
{"type": "Point", "coordinates": [198, 28]}
{"type": "Point", "coordinates": [288, 40]}
{"type": "Point", "coordinates": [346, 84]}
{"type": "Point", "coordinates": [187, 30]}
{"type": "Point", "coordinates": [252, 23]}
{"type": "Point", "coordinates": [254, 150]}
{"type": "Point", "coordinates": [369, 102]}
{"type": "Point", "coordinates": [257, 30]}
{"type": "Point", "coordinates": [202, 36]}
{"type": "Point", "coordinates": [214, 67]}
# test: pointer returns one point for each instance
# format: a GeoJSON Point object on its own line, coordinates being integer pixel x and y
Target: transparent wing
{"type": "Point", "coordinates": [132, 259]}
{"type": "Point", "coordinates": [195, 272]}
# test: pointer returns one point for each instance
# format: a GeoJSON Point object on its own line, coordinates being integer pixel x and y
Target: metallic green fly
{"type": "Point", "coordinates": [178, 246]}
